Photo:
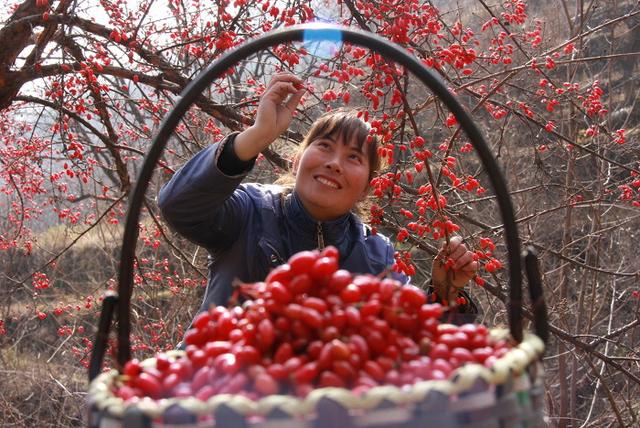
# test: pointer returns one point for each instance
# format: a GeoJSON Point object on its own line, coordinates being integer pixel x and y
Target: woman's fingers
{"type": "Point", "coordinates": [454, 249]}
{"type": "Point", "coordinates": [285, 94]}
{"type": "Point", "coordinates": [466, 263]}
{"type": "Point", "coordinates": [281, 90]}
{"type": "Point", "coordinates": [284, 77]}
{"type": "Point", "coordinates": [457, 251]}
{"type": "Point", "coordinates": [293, 102]}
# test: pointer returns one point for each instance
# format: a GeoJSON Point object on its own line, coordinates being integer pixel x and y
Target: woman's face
{"type": "Point", "coordinates": [331, 177]}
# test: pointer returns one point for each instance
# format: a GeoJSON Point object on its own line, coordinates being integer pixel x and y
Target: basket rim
{"type": "Point", "coordinates": [461, 380]}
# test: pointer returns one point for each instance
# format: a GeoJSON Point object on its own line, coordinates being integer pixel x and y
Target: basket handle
{"type": "Point", "coordinates": [309, 32]}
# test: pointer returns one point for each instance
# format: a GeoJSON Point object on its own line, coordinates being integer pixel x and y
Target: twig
{"type": "Point", "coordinates": [66, 339]}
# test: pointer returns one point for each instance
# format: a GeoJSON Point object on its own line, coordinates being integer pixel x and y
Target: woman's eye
{"type": "Point", "coordinates": [356, 158]}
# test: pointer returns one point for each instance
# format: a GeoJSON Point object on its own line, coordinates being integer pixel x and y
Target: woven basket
{"type": "Point", "coordinates": [509, 394]}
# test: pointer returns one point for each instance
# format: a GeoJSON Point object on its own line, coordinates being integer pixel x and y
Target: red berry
{"type": "Point", "coordinates": [353, 316]}
{"type": "Point", "coordinates": [360, 345]}
{"type": "Point", "coordinates": [236, 384]}
{"type": "Point", "coordinates": [127, 393]}
{"type": "Point", "coordinates": [330, 379]}
{"type": "Point", "coordinates": [201, 378]}
{"type": "Point", "coordinates": [338, 318]}
{"type": "Point", "coordinates": [218, 347]}
{"type": "Point", "coordinates": [305, 374]}
{"type": "Point", "coordinates": [325, 359]}
{"type": "Point", "coordinates": [302, 262]}
{"type": "Point", "coordinates": [430, 310]}
{"type": "Point", "coordinates": [345, 370]}
{"type": "Point", "coordinates": [195, 337]}
{"type": "Point", "coordinates": [283, 353]}
{"type": "Point", "coordinates": [162, 362]}
{"type": "Point", "coordinates": [205, 393]}
{"type": "Point", "coordinates": [281, 274]}
{"type": "Point", "coordinates": [412, 296]}
{"type": "Point", "coordinates": [265, 384]}
{"type": "Point", "coordinates": [443, 366]}
{"type": "Point", "coordinates": [293, 311]}
{"type": "Point", "coordinates": [376, 342]}
{"type": "Point", "coordinates": [339, 350]}
{"type": "Point", "coordinates": [198, 358]}
{"type": "Point", "coordinates": [300, 284]}
{"type": "Point", "coordinates": [329, 333]}
{"type": "Point", "coordinates": [266, 334]}
{"type": "Point", "coordinates": [132, 368]}
{"type": "Point", "coordinates": [481, 354]}
{"type": "Point", "coordinates": [374, 370]}
{"type": "Point", "coordinates": [279, 292]}
{"type": "Point", "coordinates": [314, 349]}
{"type": "Point", "coordinates": [440, 350]}
{"type": "Point", "coordinates": [323, 268]}
{"type": "Point", "coordinates": [183, 368]}
{"type": "Point", "coordinates": [277, 371]}
{"type": "Point", "coordinates": [368, 284]}
{"type": "Point", "coordinates": [387, 289]}
{"type": "Point", "coordinates": [330, 251]}
{"type": "Point", "coordinates": [248, 355]}
{"type": "Point", "coordinates": [201, 320]}
{"type": "Point", "coordinates": [293, 364]}
{"type": "Point", "coordinates": [350, 294]}
{"type": "Point", "coordinates": [149, 385]}
{"type": "Point", "coordinates": [371, 308]}
{"type": "Point", "coordinates": [339, 279]}
{"type": "Point", "coordinates": [386, 363]}
{"type": "Point", "coordinates": [316, 303]}
{"type": "Point", "coordinates": [171, 381]}
{"type": "Point", "coordinates": [227, 363]}
{"type": "Point", "coordinates": [312, 318]}
{"type": "Point", "coordinates": [463, 355]}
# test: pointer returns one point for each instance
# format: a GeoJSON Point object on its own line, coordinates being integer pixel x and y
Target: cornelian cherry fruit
{"type": "Point", "coordinates": [312, 325]}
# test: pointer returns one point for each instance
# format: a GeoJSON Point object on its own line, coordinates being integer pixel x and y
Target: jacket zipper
{"type": "Point", "coordinates": [320, 236]}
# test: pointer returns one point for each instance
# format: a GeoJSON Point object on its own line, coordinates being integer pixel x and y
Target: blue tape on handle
{"type": "Point", "coordinates": [322, 40]}
{"type": "Point", "coordinates": [320, 32]}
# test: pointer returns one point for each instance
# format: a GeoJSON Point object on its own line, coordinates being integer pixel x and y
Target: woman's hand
{"type": "Point", "coordinates": [448, 280]}
{"type": "Point", "coordinates": [275, 113]}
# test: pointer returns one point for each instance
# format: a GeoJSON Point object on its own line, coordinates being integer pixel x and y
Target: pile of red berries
{"type": "Point", "coordinates": [313, 325]}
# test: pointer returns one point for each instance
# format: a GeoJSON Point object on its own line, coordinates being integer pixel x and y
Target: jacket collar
{"type": "Point", "coordinates": [335, 232]}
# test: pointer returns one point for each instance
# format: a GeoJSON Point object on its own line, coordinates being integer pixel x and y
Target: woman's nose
{"type": "Point", "coordinates": [334, 164]}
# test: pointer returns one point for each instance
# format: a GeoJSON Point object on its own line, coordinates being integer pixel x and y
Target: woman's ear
{"type": "Point", "coordinates": [365, 193]}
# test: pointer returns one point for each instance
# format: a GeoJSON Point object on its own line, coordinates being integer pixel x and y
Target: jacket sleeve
{"type": "Point", "coordinates": [204, 204]}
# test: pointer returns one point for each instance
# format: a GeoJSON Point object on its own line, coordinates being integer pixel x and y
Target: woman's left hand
{"type": "Point", "coordinates": [453, 268]}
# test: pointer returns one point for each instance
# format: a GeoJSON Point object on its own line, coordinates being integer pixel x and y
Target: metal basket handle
{"type": "Point", "coordinates": [299, 33]}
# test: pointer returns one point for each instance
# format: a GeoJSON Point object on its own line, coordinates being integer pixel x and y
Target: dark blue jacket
{"type": "Point", "coordinates": [250, 228]}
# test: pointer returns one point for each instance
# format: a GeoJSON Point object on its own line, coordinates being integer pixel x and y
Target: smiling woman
{"type": "Point", "coordinates": [249, 229]}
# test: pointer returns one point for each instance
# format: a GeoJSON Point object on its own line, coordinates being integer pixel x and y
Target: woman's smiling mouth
{"type": "Point", "coordinates": [328, 182]}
